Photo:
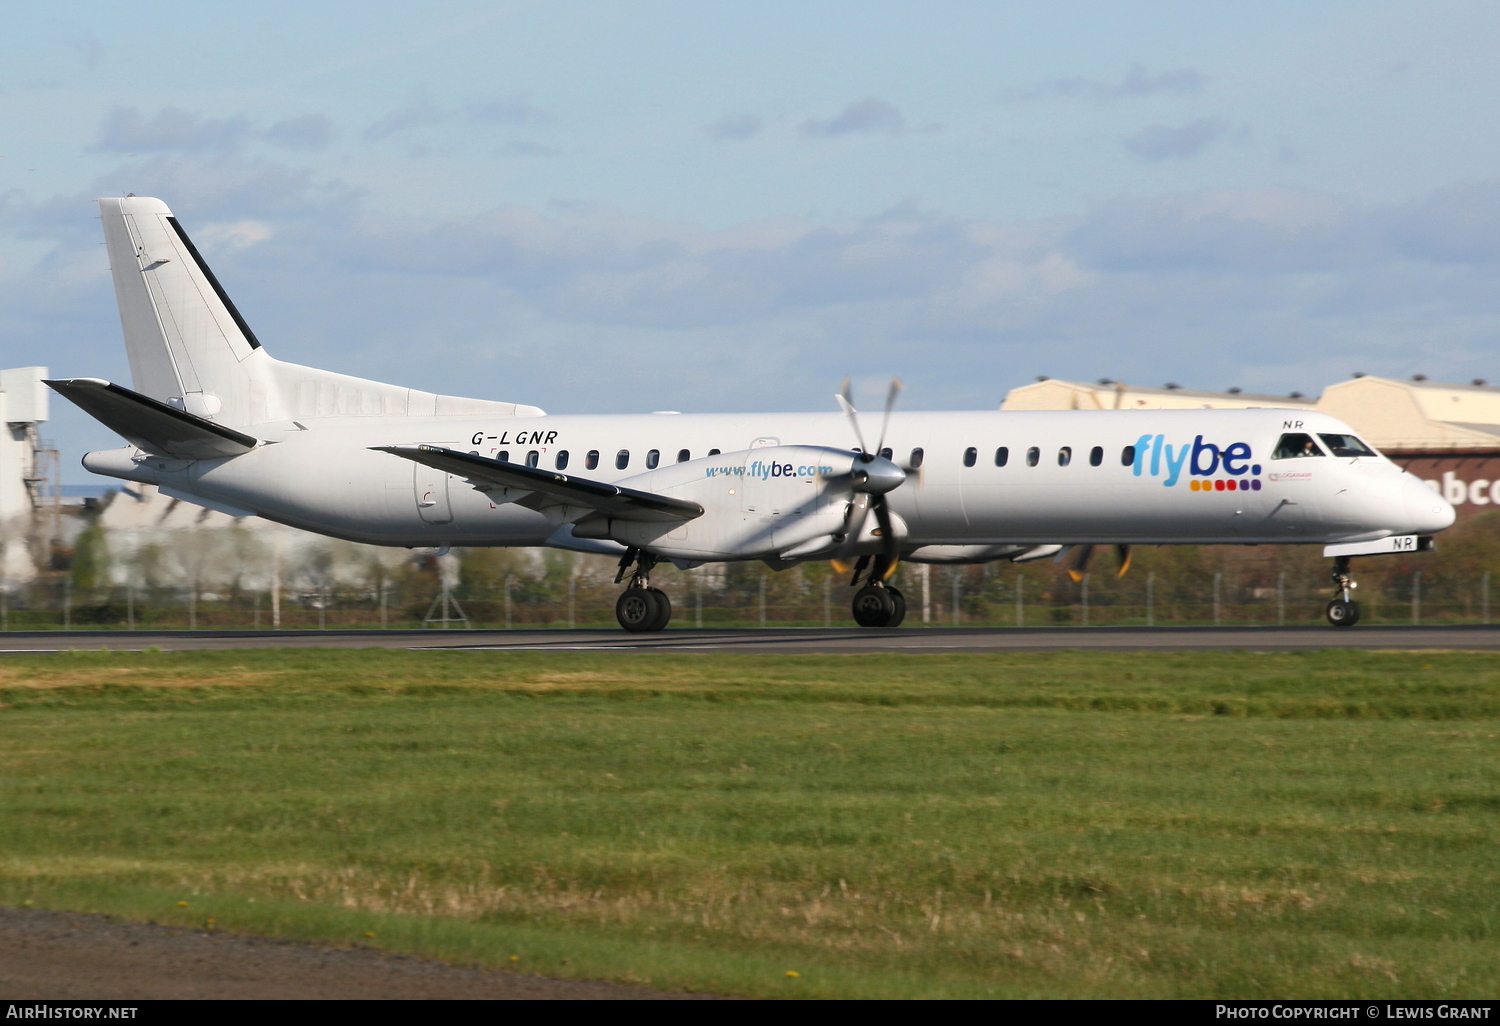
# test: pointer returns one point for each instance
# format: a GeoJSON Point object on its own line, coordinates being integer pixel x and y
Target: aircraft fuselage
{"type": "Point", "coordinates": [1069, 477]}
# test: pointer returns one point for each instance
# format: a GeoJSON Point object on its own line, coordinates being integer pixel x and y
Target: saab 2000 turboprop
{"type": "Point", "coordinates": [214, 420]}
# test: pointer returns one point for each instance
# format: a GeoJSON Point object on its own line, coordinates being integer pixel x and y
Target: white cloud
{"type": "Point", "coordinates": [736, 126]}
{"type": "Point", "coordinates": [308, 132]}
{"type": "Point", "coordinates": [580, 307]}
{"type": "Point", "coordinates": [232, 235]}
{"type": "Point", "coordinates": [868, 115]}
{"type": "Point", "coordinates": [527, 149]}
{"type": "Point", "coordinates": [1137, 82]}
{"type": "Point", "coordinates": [417, 115]}
{"type": "Point", "coordinates": [512, 111]}
{"type": "Point", "coordinates": [124, 129]}
{"type": "Point", "coordinates": [1163, 142]}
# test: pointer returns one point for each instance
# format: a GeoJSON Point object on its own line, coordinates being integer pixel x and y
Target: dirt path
{"type": "Point", "coordinates": [65, 955]}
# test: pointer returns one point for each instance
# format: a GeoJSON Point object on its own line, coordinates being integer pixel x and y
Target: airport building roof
{"type": "Point", "coordinates": [1394, 415]}
{"type": "Point", "coordinates": [1054, 394]}
{"type": "Point", "coordinates": [1417, 415]}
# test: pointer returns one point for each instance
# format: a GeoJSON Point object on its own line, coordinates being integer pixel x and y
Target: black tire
{"type": "Point", "coordinates": [900, 602]}
{"type": "Point", "coordinates": [637, 610]}
{"type": "Point", "coordinates": [873, 607]}
{"type": "Point", "coordinates": [1343, 614]}
{"type": "Point", "coordinates": [663, 609]}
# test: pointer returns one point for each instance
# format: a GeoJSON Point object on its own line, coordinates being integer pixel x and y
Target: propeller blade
{"type": "Point", "coordinates": [840, 565]}
{"type": "Point", "coordinates": [1080, 563]}
{"type": "Point", "coordinates": [847, 402]}
{"type": "Point", "coordinates": [890, 404]}
{"type": "Point", "coordinates": [859, 568]}
{"type": "Point", "coordinates": [854, 523]}
{"type": "Point", "coordinates": [1123, 552]}
{"type": "Point", "coordinates": [890, 545]}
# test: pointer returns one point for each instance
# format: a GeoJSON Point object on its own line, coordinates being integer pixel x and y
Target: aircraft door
{"type": "Point", "coordinates": [431, 490]}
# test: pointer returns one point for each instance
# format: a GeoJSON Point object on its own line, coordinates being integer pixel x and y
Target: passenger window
{"type": "Point", "coordinates": [653, 458]}
{"type": "Point", "coordinates": [591, 461]}
{"type": "Point", "coordinates": [503, 455]}
{"type": "Point", "coordinates": [1065, 456]}
{"type": "Point", "coordinates": [562, 459]}
{"type": "Point", "coordinates": [713, 452]}
{"type": "Point", "coordinates": [1096, 455]}
{"type": "Point", "coordinates": [1033, 456]}
{"type": "Point", "coordinates": [1127, 456]}
{"type": "Point", "coordinates": [683, 455]}
{"type": "Point", "coordinates": [1345, 445]}
{"type": "Point", "coordinates": [971, 456]}
{"type": "Point", "coordinates": [886, 453]}
{"type": "Point", "coordinates": [916, 458]}
{"type": "Point", "coordinates": [532, 457]}
{"type": "Point", "coordinates": [1294, 446]}
{"type": "Point", "coordinates": [622, 459]}
{"type": "Point", "coordinates": [1002, 456]}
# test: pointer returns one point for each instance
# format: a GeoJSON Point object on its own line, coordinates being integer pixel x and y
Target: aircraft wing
{"type": "Point", "coordinates": [547, 487]}
{"type": "Point", "coordinates": [151, 424]}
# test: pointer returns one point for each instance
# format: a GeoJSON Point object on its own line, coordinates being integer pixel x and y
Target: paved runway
{"type": "Point", "coordinates": [806, 640]}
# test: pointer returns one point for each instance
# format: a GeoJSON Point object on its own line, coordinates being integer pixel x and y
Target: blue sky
{"type": "Point", "coordinates": [703, 206]}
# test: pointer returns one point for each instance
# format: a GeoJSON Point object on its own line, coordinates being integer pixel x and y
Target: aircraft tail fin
{"type": "Point", "coordinates": [190, 348]}
{"type": "Point", "coordinates": [180, 328]}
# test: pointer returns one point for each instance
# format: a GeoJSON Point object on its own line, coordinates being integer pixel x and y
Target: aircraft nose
{"type": "Point", "coordinates": [1426, 510]}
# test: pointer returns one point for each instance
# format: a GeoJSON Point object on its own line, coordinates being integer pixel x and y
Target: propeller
{"type": "Point", "coordinates": [1081, 561]}
{"type": "Point", "coordinates": [874, 476]}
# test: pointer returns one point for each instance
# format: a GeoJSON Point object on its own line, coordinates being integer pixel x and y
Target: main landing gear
{"type": "Point", "coordinates": [877, 604]}
{"type": "Point", "coordinates": [1343, 611]}
{"type": "Point", "coordinates": [641, 609]}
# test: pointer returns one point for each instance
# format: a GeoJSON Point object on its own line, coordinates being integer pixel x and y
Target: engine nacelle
{"type": "Point", "coordinates": [757, 503]}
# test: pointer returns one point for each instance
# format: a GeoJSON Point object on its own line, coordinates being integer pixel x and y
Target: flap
{"type": "Point", "coordinates": [487, 475]}
{"type": "Point", "coordinates": [150, 424]}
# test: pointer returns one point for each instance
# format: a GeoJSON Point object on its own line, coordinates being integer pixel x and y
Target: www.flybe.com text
{"type": "Point", "coordinates": [763, 471]}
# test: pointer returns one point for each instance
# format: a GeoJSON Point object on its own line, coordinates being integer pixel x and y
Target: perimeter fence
{"type": "Point", "coordinates": [535, 589]}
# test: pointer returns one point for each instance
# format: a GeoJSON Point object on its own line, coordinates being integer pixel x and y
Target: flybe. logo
{"type": "Point", "coordinates": [1227, 468]}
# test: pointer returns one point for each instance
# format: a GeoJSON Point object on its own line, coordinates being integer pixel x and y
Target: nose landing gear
{"type": "Point", "coordinates": [877, 604]}
{"type": "Point", "coordinates": [1343, 611]}
{"type": "Point", "coordinates": [641, 609]}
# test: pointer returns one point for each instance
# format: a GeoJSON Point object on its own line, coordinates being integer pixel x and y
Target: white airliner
{"type": "Point", "coordinates": [215, 420]}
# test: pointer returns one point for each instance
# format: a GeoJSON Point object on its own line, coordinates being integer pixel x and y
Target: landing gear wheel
{"type": "Point", "coordinates": [643, 610]}
{"type": "Point", "coordinates": [900, 601]}
{"type": "Point", "coordinates": [663, 609]}
{"type": "Point", "coordinates": [1343, 612]}
{"type": "Point", "coordinates": [874, 607]}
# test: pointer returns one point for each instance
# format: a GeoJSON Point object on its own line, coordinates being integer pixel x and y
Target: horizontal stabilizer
{"type": "Point", "coordinates": [150, 424]}
{"type": "Point", "coordinates": [487, 474]}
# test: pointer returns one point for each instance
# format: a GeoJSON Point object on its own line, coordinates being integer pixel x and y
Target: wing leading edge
{"type": "Point", "coordinates": [536, 488]}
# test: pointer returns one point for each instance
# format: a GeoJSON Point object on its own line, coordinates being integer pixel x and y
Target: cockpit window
{"type": "Point", "coordinates": [1296, 445]}
{"type": "Point", "coordinates": [1345, 445]}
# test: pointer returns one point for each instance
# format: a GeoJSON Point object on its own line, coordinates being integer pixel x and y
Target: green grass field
{"type": "Point", "coordinates": [1071, 824]}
